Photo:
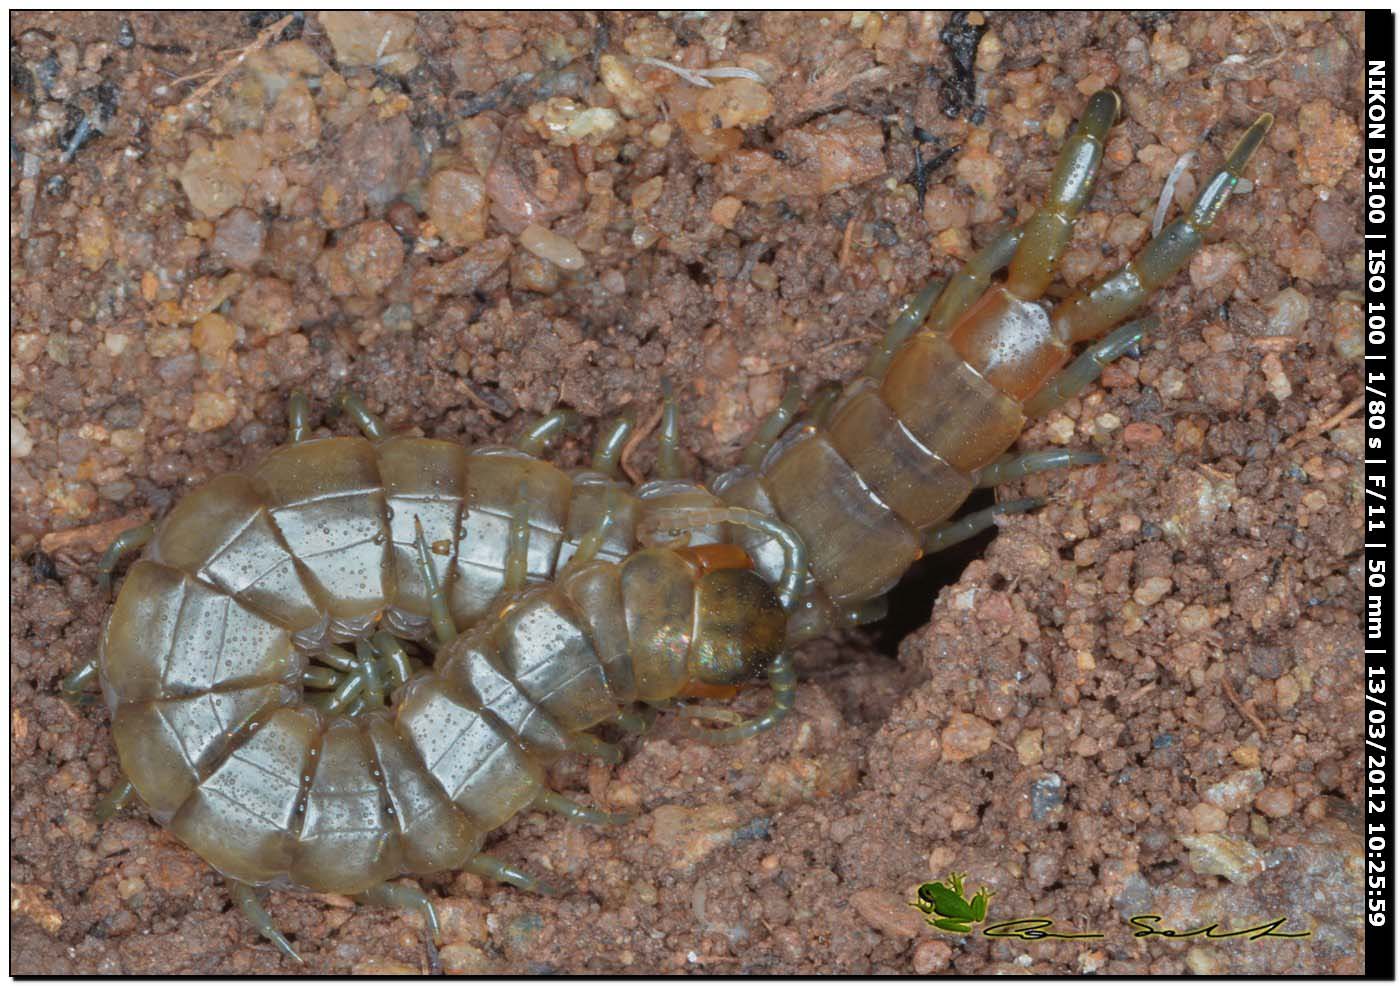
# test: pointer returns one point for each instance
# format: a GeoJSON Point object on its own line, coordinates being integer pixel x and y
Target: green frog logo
{"type": "Point", "coordinates": [947, 909]}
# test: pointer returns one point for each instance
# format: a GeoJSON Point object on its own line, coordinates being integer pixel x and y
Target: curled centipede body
{"type": "Point", "coordinates": [354, 661]}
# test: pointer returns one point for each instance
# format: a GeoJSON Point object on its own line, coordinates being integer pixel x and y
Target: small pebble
{"type": "Point", "coordinates": [558, 250]}
{"type": "Point", "coordinates": [931, 957]}
{"type": "Point", "coordinates": [1236, 791]}
{"type": "Point", "coordinates": [456, 203]}
{"type": "Point", "coordinates": [1276, 802]}
{"type": "Point", "coordinates": [965, 737]}
{"type": "Point", "coordinates": [212, 411]}
{"type": "Point", "coordinates": [1288, 312]}
{"type": "Point", "coordinates": [1029, 748]}
{"type": "Point", "coordinates": [213, 335]}
{"type": "Point", "coordinates": [1208, 818]}
{"type": "Point", "coordinates": [1047, 794]}
{"type": "Point", "coordinates": [887, 913]}
{"type": "Point", "coordinates": [1224, 855]}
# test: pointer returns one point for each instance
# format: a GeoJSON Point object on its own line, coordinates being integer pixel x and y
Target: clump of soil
{"type": "Point", "coordinates": [1141, 698]}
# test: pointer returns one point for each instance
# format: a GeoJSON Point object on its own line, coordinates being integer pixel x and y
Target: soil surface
{"type": "Point", "coordinates": [1143, 698]}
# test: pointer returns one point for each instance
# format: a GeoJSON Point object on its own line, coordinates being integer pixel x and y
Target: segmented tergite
{"type": "Point", "coordinates": [355, 660]}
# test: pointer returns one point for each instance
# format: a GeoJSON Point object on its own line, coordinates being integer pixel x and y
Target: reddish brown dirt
{"type": "Point", "coordinates": [1149, 683]}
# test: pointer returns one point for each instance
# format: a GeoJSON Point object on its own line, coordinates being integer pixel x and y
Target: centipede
{"type": "Point", "coordinates": [355, 660]}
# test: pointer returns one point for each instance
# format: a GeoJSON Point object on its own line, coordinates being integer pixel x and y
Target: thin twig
{"type": "Point", "coordinates": [258, 43]}
{"type": "Point", "coordinates": [1332, 422]}
{"type": "Point", "coordinates": [624, 460]}
{"type": "Point", "coordinates": [1245, 709]}
{"type": "Point", "coordinates": [828, 347]}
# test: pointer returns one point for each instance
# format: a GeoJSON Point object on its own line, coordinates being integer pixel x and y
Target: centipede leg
{"type": "Point", "coordinates": [130, 540]}
{"type": "Point", "coordinates": [958, 531]}
{"type": "Point", "coordinates": [115, 800]}
{"type": "Point", "coordinates": [782, 678]}
{"type": "Point", "coordinates": [909, 320]}
{"type": "Point", "coordinates": [492, 868]}
{"type": "Point", "coordinates": [1013, 467]}
{"type": "Point", "coordinates": [394, 655]}
{"type": "Point", "coordinates": [668, 453]}
{"type": "Point", "coordinates": [404, 898]}
{"type": "Point", "coordinates": [374, 684]}
{"type": "Point", "coordinates": [298, 418]}
{"type": "Point", "coordinates": [517, 565]}
{"type": "Point", "coordinates": [635, 722]}
{"type": "Point", "coordinates": [1072, 380]}
{"type": "Point", "coordinates": [591, 746]}
{"type": "Point", "coordinates": [548, 800]}
{"type": "Point", "coordinates": [968, 284]}
{"type": "Point", "coordinates": [247, 900]}
{"type": "Point", "coordinates": [369, 425]}
{"type": "Point", "coordinates": [822, 402]}
{"type": "Point", "coordinates": [774, 425]}
{"type": "Point", "coordinates": [610, 444]}
{"type": "Point", "coordinates": [592, 542]}
{"type": "Point", "coordinates": [71, 688]}
{"type": "Point", "coordinates": [535, 439]}
{"type": "Point", "coordinates": [443, 626]}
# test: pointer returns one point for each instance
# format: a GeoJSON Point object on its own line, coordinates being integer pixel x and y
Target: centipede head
{"type": "Point", "coordinates": [739, 629]}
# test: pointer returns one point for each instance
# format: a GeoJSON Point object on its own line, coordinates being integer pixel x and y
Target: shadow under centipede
{"type": "Point", "coordinates": [911, 601]}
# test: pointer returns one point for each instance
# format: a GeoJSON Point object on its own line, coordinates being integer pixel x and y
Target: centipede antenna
{"type": "Point", "coordinates": [774, 425]}
{"type": "Point", "coordinates": [548, 800]}
{"type": "Point", "coordinates": [678, 520]}
{"type": "Point", "coordinates": [352, 405]}
{"type": "Point", "coordinates": [247, 900]}
{"type": "Point", "coordinates": [518, 549]}
{"type": "Point", "coordinates": [298, 417]}
{"type": "Point", "coordinates": [782, 678]}
{"type": "Point", "coordinates": [443, 626]}
{"type": "Point", "coordinates": [115, 800]}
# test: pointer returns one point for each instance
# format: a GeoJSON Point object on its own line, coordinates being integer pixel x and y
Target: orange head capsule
{"type": "Point", "coordinates": [739, 629]}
